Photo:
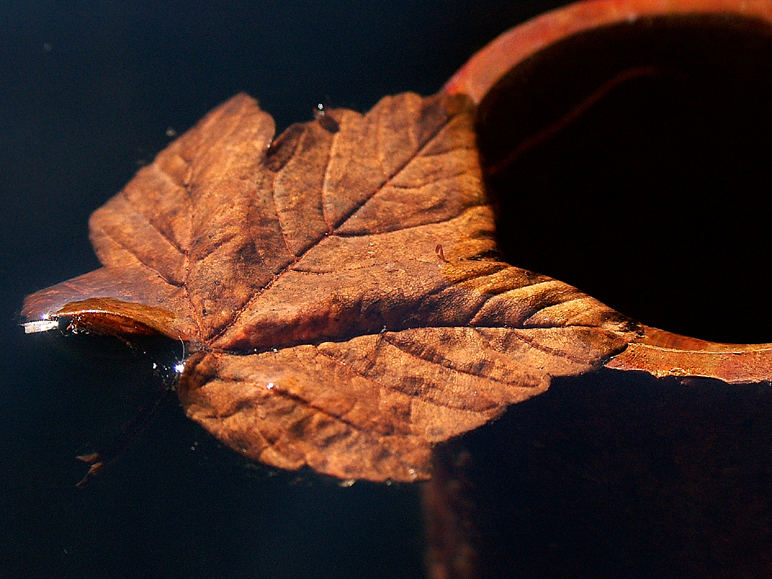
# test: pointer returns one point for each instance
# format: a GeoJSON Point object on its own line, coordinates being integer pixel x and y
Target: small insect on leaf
{"type": "Point", "coordinates": [328, 123]}
{"type": "Point", "coordinates": [440, 252]}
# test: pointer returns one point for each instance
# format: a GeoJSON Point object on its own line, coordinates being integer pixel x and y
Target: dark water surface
{"type": "Point", "coordinates": [88, 92]}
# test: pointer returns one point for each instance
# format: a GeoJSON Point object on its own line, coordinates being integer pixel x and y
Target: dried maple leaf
{"type": "Point", "coordinates": [305, 274]}
{"type": "Point", "coordinates": [339, 290]}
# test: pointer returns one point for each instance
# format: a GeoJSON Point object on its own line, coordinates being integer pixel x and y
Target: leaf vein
{"type": "Point", "coordinates": [152, 225]}
{"type": "Point", "coordinates": [393, 388]}
{"type": "Point", "coordinates": [395, 173]}
{"type": "Point", "coordinates": [140, 261]}
{"type": "Point", "coordinates": [452, 368]}
{"type": "Point", "coordinates": [237, 314]}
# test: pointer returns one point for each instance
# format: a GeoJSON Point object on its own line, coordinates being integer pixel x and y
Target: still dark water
{"type": "Point", "coordinates": [88, 92]}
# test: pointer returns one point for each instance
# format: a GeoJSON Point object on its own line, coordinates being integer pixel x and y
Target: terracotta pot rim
{"type": "Point", "coordinates": [489, 64]}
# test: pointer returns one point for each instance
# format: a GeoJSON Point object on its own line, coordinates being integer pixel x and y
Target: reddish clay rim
{"type": "Point", "coordinates": [657, 352]}
{"type": "Point", "coordinates": [489, 64]}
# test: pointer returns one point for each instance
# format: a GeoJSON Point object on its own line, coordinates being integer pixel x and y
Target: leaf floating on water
{"type": "Point", "coordinates": [338, 291]}
{"type": "Point", "coordinates": [282, 265]}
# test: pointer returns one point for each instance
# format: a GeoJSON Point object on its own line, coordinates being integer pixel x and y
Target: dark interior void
{"type": "Point", "coordinates": [633, 161]}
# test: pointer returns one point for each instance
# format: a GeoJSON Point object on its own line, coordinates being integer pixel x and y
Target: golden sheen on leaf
{"type": "Point", "coordinates": [337, 287]}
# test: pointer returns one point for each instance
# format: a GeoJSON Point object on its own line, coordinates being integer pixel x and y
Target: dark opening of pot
{"type": "Point", "coordinates": [633, 161]}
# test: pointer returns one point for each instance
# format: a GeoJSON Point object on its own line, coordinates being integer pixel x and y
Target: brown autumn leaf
{"type": "Point", "coordinates": [337, 286]}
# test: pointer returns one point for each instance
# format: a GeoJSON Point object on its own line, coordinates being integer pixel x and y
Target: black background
{"type": "Point", "coordinates": [88, 92]}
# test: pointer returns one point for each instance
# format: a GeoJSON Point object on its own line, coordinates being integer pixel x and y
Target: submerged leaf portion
{"type": "Point", "coordinates": [336, 286]}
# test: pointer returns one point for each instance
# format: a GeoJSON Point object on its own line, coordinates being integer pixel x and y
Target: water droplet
{"type": "Point", "coordinates": [42, 325]}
